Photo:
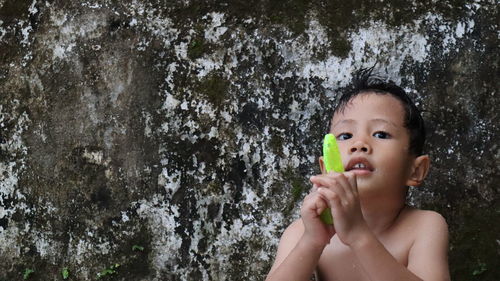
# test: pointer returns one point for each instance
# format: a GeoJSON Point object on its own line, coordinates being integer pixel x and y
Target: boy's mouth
{"type": "Point", "coordinates": [359, 164]}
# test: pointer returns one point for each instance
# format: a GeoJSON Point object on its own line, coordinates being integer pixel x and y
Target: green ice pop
{"type": "Point", "coordinates": [332, 161]}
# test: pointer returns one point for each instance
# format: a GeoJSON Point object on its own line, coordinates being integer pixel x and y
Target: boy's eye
{"type": "Point", "coordinates": [381, 135]}
{"type": "Point", "coordinates": [344, 136]}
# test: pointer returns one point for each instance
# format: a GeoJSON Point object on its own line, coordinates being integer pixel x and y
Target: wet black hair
{"type": "Point", "coordinates": [364, 82]}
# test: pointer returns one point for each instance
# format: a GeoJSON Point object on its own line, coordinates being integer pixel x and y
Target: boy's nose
{"type": "Point", "coordinates": [360, 146]}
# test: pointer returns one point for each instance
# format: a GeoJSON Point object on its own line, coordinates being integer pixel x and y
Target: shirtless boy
{"type": "Point", "coordinates": [375, 236]}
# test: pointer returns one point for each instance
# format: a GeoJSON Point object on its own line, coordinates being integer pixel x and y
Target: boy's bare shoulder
{"type": "Point", "coordinates": [425, 224]}
{"type": "Point", "coordinates": [427, 256]}
{"type": "Point", "coordinates": [423, 218]}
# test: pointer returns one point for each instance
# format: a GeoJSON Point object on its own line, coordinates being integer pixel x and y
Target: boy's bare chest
{"type": "Point", "coordinates": [338, 262]}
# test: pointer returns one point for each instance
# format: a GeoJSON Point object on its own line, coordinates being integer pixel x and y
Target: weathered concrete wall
{"type": "Point", "coordinates": [175, 138]}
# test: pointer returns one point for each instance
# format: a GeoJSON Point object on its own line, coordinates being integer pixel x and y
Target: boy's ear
{"type": "Point", "coordinates": [419, 170]}
{"type": "Point", "coordinates": [322, 165]}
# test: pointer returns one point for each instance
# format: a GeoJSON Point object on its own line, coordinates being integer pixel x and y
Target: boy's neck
{"type": "Point", "coordinates": [382, 217]}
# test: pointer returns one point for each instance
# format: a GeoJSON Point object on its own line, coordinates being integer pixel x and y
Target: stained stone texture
{"type": "Point", "coordinates": [173, 140]}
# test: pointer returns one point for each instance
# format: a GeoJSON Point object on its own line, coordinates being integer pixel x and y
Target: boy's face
{"type": "Point", "coordinates": [373, 142]}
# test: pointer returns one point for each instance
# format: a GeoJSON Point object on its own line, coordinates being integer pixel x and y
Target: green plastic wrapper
{"type": "Point", "coordinates": [333, 162]}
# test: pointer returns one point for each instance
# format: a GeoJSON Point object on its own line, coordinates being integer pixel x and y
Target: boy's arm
{"type": "Point", "coordinates": [302, 242]}
{"type": "Point", "coordinates": [427, 258]}
{"type": "Point", "coordinates": [296, 259]}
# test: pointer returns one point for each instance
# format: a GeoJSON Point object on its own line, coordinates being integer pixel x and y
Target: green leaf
{"type": "Point", "coordinates": [27, 273]}
{"type": "Point", "coordinates": [481, 269]}
{"type": "Point", "coordinates": [137, 248]}
{"type": "Point", "coordinates": [108, 271]}
{"type": "Point", "coordinates": [65, 273]}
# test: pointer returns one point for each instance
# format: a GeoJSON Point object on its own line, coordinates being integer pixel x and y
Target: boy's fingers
{"type": "Point", "coordinates": [332, 198]}
{"type": "Point", "coordinates": [335, 182]}
{"type": "Point", "coordinates": [314, 202]}
{"type": "Point", "coordinates": [313, 188]}
{"type": "Point", "coordinates": [320, 205]}
{"type": "Point", "coordinates": [346, 185]}
{"type": "Point", "coordinates": [351, 178]}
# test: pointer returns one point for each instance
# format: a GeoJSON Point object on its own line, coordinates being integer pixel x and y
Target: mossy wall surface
{"type": "Point", "coordinates": [175, 138]}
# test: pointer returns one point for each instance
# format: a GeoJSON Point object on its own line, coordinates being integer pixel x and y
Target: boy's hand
{"type": "Point", "coordinates": [341, 193]}
{"type": "Point", "coordinates": [316, 232]}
